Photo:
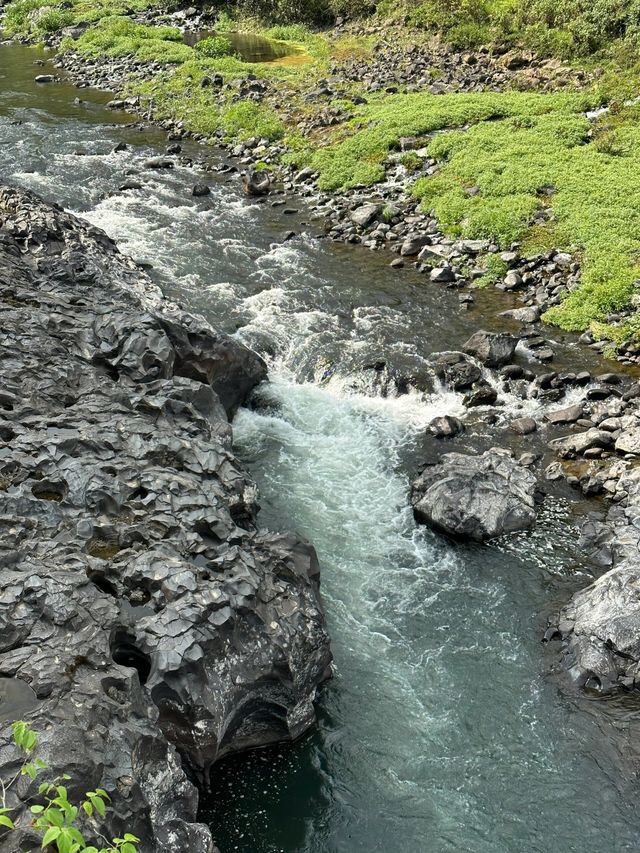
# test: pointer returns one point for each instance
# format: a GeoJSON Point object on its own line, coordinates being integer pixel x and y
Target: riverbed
{"type": "Point", "coordinates": [445, 727]}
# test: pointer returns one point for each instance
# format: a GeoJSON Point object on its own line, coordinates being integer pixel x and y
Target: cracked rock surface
{"type": "Point", "coordinates": [147, 625]}
{"type": "Point", "coordinates": [475, 497]}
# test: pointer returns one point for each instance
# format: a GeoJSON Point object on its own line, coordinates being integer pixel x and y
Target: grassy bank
{"type": "Point", "coordinates": [514, 166]}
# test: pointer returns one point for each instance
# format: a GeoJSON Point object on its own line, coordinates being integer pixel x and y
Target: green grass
{"type": "Point", "coordinates": [180, 95]}
{"type": "Point", "coordinates": [120, 36]}
{"type": "Point", "coordinates": [39, 17]}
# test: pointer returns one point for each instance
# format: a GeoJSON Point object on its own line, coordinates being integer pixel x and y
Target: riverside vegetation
{"type": "Point", "coordinates": [513, 166]}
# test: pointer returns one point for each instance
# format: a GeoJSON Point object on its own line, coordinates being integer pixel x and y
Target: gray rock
{"type": "Point", "coordinates": [156, 625]}
{"type": "Point", "coordinates": [523, 426]}
{"type": "Point", "coordinates": [200, 190]}
{"type": "Point", "coordinates": [530, 314]}
{"type": "Point", "coordinates": [413, 244]}
{"type": "Point", "coordinates": [365, 214]}
{"type": "Point", "coordinates": [493, 349]}
{"type": "Point", "coordinates": [629, 441]}
{"type": "Point", "coordinates": [159, 163]}
{"type": "Point", "coordinates": [475, 497]}
{"type": "Point", "coordinates": [446, 426]}
{"type": "Point", "coordinates": [568, 415]}
{"type": "Point", "coordinates": [442, 274]}
{"type": "Point", "coordinates": [574, 445]}
{"type": "Point", "coordinates": [256, 183]}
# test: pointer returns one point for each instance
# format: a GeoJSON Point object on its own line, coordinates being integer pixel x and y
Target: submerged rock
{"type": "Point", "coordinates": [475, 497]}
{"type": "Point", "coordinates": [146, 623]}
{"type": "Point", "coordinates": [256, 183]}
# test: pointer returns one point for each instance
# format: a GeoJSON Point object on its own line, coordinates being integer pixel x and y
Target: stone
{"type": "Point", "coordinates": [442, 274]}
{"type": "Point", "coordinates": [530, 314]}
{"type": "Point", "coordinates": [493, 349]}
{"type": "Point", "coordinates": [158, 163]}
{"type": "Point", "coordinates": [629, 441]}
{"type": "Point", "coordinates": [413, 244]}
{"type": "Point", "coordinates": [475, 497]}
{"type": "Point", "coordinates": [457, 371]}
{"type": "Point", "coordinates": [574, 445]}
{"type": "Point", "coordinates": [483, 395]}
{"type": "Point", "coordinates": [45, 78]}
{"type": "Point", "coordinates": [201, 190]}
{"type": "Point", "coordinates": [568, 415]}
{"type": "Point", "coordinates": [365, 214]}
{"type": "Point", "coordinates": [446, 426]}
{"type": "Point", "coordinates": [523, 426]}
{"type": "Point", "coordinates": [148, 625]}
{"type": "Point", "coordinates": [256, 183]}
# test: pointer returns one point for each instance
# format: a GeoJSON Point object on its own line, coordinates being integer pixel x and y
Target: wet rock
{"type": "Point", "coordinates": [530, 314]}
{"type": "Point", "coordinates": [413, 245]}
{"type": "Point", "coordinates": [457, 371]}
{"type": "Point", "coordinates": [568, 415]}
{"type": "Point", "coordinates": [45, 78]}
{"type": "Point", "coordinates": [156, 625]}
{"type": "Point", "coordinates": [574, 445]}
{"type": "Point", "coordinates": [158, 163]}
{"type": "Point", "coordinates": [493, 349]}
{"type": "Point", "coordinates": [256, 183]}
{"type": "Point", "coordinates": [201, 190]}
{"type": "Point", "coordinates": [446, 426]}
{"type": "Point", "coordinates": [483, 395]}
{"type": "Point", "coordinates": [523, 426]}
{"type": "Point", "coordinates": [442, 275]}
{"type": "Point", "coordinates": [475, 497]}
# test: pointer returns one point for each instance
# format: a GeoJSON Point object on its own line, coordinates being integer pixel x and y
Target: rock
{"type": "Point", "coordinates": [201, 190]}
{"type": "Point", "coordinates": [413, 245]}
{"type": "Point", "coordinates": [45, 78]}
{"type": "Point", "coordinates": [493, 349]}
{"type": "Point", "coordinates": [365, 214]}
{"type": "Point", "coordinates": [629, 441]}
{"type": "Point", "coordinates": [475, 497]}
{"type": "Point", "coordinates": [483, 395]}
{"type": "Point", "coordinates": [457, 371]}
{"type": "Point", "coordinates": [158, 163]}
{"type": "Point", "coordinates": [256, 183]}
{"type": "Point", "coordinates": [512, 280]}
{"type": "Point", "coordinates": [601, 627]}
{"type": "Point", "coordinates": [156, 625]}
{"type": "Point", "coordinates": [446, 426]}
{"type": "Point", "coordinates": [523, 315]}
{"type": "Point", "coordinates": [572, 445]}
{"type": "Point", "coordinates": [523, 426]}
{"type": "Point", "coordinates": [442, 274]}
{"type": "Point", "coordinates": [569, 415]}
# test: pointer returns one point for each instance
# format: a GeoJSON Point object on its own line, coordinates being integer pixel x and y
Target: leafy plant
{"type": "Point", "coordinates": [58, 821]}
{"type": "Point", "coordinates": [214, 47]}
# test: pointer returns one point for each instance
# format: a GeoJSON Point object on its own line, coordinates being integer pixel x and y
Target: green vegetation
{"type": "Point", "coordinates": [120, 36]}
{"type": "Point", "coordinates": [180, 95]}
{"type": "Point", "coordinates": [214, 47]}
{"type": "Point", "coordinates": [39, 17]}
{"type": "Point", "coordinates": [57, 821]}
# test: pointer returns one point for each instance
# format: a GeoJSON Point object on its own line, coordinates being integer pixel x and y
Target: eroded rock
{"type": "Point", "coordinates": [153, 624]}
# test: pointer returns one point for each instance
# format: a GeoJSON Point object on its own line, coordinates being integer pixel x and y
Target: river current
{"type": "Point", "coordinates": [443, 728]}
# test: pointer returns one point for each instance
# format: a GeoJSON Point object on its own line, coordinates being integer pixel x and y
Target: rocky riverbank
{"type": "Point", "coordinates": [148, 625]}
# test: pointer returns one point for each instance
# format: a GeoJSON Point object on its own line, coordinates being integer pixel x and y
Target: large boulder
{"type": "Point", "coordinates": [147, 625]}
{"type": "Point", "coordinates": [491, 348]}
{"type": "Point", "coordinates": [475, 497]}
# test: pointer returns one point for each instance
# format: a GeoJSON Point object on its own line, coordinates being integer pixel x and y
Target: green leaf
{"type": "Point", "coordinates": [88, 808]}
{"type": "Point", "coordinates": [127, 847]}
{"type": "Point", "coordinates": [50, 835]}
{"type": "Point", "coordinates": [99, 806]}
{"type": "Point", "coordinates": [37, 809]}
{"type": "Point", "coordinates": [103, 794]}
{"type": "Point", "coordinates": [31, 741]}
{"type": "Point", "coordinates": [30, 771]}
{"type": "Point", "coordinates": [6, 821]}
{"type": "Point", "coordinates": [129, 837]}
{"type": "Point", "coordinates": [55, 816]}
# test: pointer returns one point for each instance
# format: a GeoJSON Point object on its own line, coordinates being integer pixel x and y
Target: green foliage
{"type": "Point", "coordinates": [411, 161]}
{"type": "Point", "coordinates": [57, 820]}
{"type": "Point", "coordinates": [214, 47]}
{"type": "Point", "coordinates": [39, 17]}
{"type": "Point", "coordinates": [496, 269]}
{"type": "Point", "coordinates": [120, 36]}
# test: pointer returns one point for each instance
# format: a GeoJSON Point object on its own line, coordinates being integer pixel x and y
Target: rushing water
{"type": "Point", "coordinates": [442, 730]}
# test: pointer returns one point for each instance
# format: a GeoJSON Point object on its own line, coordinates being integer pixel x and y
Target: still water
{"type": "Point", "coordinates": [443, 729]}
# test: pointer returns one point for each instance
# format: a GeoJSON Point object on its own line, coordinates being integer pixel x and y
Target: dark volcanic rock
{"type": "Point", "coordinates": [475, 497]}
{"type": "Point", "coordinates": [145, 621]}
{"type": "Point", "coordinates": [256, 183]}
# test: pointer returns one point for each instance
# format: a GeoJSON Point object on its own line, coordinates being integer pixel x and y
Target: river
{"type": "Point", "coordinates": [444, 728]}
